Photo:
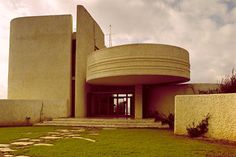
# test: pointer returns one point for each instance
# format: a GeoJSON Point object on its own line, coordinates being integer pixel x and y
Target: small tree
{"type": "Point", "coordinates": [228, 84]}
{"type": "Point", "coordinates": [165, 119]}
{"type": "Point", "coordinates": [200, 129]}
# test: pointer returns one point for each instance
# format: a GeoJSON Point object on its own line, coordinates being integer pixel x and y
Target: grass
{"type": "Point", "coordinates": [8, 134]}
{"type": "Point", "coordinates": [122, 143]}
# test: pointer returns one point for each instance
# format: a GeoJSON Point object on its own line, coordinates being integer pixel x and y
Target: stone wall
{"type": "Point", "coordinates": [222, 110]}
{"type": "Point", "coordinates": [26, 112]}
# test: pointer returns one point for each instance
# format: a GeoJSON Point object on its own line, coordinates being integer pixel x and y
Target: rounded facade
{"type": "Point", "coordinates": [138, 64]}
{"type": "Point", "coordinates": [39, 57]}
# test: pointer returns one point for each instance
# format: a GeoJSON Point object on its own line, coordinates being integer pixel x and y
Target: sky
{"type": "Point", "coordinates": [205, 28]}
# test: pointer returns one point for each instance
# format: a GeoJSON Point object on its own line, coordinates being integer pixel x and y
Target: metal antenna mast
{"type": "Point", "coordinates": [110, 39]}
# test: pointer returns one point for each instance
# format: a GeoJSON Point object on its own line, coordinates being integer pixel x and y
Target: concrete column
{"type": "Point", "coordinates": [138, 102]}
{"type": "Point", "coordinates": [84, 45]}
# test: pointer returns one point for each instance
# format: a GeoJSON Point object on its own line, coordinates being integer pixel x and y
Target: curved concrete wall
{"type": "Point", "coordinates": [138, 64]}
{"type": "Point", "coordinates": [40, 58]}
{"type": "Point", "coordinates": [222, 110]}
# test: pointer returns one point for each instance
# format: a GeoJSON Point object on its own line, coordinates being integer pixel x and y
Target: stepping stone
{"type": "Point", "coordinates": [23, 139]}
{"type": "Point", "coordinates": [83, 138]}
{"type": "Point", "coordinates": [109, 128]}
{"type": "Point", "coordinates": [80, 130]}
{"type": "Point", "coordinates": [76, 137]}
{"type": "Point", "coordinates": [8, 155]}
{"type": "Point", "coordinates": [6, 150]}
{"type": "Point", "coordinates": [35, 140]}
{"type": "Point", "coordinates": [63, 130]}
{"type": "Point", "coordinates": [72, 135]}
{"type": "Point", "coordinates": [43, 144]}
{"type": "Point", "coordinates": [56, 133]}
{"type": "Point", "coordinates": [64, 134]}
{"type": "Point", "coordinates": [22, 143]}
{"type": "Point", "coordinates": [51, 137]}
{"type": "Point", "coordinates": [4, 145]}
{"type": "Point", "coordinates": [29, 133]}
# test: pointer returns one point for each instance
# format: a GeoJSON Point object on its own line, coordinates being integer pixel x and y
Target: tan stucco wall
{"type": "Point", "coordinates": [40, 55]}
{"type": "Point", "coordinates": [222, 110]}
{"type": "Point", "coordinates": [88, 36]}
{"type": "Point", "coordinates": [138, 102]}
{"type": "Point", "coordinates": [161, 98]}
{"type": "Point", "coordinates": [138, 64]}
{"type": "Point", "coordinates": [14, 112]}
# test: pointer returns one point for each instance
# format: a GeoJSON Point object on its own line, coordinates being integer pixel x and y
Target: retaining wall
{"type": "Point", "coordinates": [193, 108]}
{"type": "Point", "coordinates": [27, 112]}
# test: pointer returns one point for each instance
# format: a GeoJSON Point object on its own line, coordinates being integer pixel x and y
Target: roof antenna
{"type": "Point", "coordinates": [110, 39]}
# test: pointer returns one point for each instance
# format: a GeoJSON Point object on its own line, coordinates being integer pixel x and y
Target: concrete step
{"type": "Point", "coordinates": [100, 120]}
{"type": "Point", "coordinates": [117, 120]}
{"type": "Point", "coordinates": [92, 122]}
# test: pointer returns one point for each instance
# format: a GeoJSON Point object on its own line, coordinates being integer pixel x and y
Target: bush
{"type": "Point", "coordinates": [165, 119]}
{"type": "Point", "coordinates": [228, 84]}
{"type": "Point", "coordinates": [200, 129]}
{"type": "Point", "coordinates": [171, 121]}
{"type": "Point", "coordinates": [209, 91]}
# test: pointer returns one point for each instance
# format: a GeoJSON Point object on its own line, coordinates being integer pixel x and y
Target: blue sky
{"type": "Point", "coordinates": [206, 28]}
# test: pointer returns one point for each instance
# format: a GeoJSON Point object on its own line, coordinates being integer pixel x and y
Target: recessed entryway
{"type": "Point", "coordinates": [111, 105]}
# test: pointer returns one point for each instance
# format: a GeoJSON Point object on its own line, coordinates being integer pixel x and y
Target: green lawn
{"type": "Point", "coordinates": [120, 143]}
{"type": "Point", "coordinates": [8, 134]}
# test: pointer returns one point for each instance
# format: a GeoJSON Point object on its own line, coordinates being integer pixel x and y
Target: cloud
{"type": "Point", "coordinates": [18, 8]}
{"type": "Point", "coordinates": [204, 28]}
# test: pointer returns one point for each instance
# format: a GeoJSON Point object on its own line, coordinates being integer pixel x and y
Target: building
{"type": "Point", "coordinates": [50, 62]}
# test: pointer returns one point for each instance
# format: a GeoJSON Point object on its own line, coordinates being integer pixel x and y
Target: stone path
{"type": "Point", "coordinates": [7, 149]}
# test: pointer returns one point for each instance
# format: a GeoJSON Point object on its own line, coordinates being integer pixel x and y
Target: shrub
{"type": "Point", "coordinates": [171, 121]}
{"type": "Point", "coordinates": [165, 119]}
{"type": "Point", "coordinates": [200, 129]}
{"type": "Point", "coordinates": [209, 91]}
{"type": "Point", "coordinates": [228, 84]}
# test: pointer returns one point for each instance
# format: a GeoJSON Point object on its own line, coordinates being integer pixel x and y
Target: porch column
{"type": "Point", "coordinates": [138, 102]}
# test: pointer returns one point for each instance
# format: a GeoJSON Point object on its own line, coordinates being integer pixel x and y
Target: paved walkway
{"type": "Point", "coordinates": [7, 149]}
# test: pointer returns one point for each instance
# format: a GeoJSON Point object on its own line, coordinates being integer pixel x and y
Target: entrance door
{"type": "Point", "coordinates": [111, 105]}
{"type": "Point", "coordinates": [122, 104]}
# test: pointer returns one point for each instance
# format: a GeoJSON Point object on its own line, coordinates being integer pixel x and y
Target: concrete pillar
{"type": "Point", "coordinates": [86, 32]}
{"type": "Point", "coordinates": [84, 45]}
{"type": "Point", "coordinates": [138, 102]}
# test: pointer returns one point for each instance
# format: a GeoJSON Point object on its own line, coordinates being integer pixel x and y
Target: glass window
{"type": "Point", "coordinates": [122, 95]}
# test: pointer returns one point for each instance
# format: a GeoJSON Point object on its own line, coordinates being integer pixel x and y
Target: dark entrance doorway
{"type": "Point", "coordinates": [111, 105]}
